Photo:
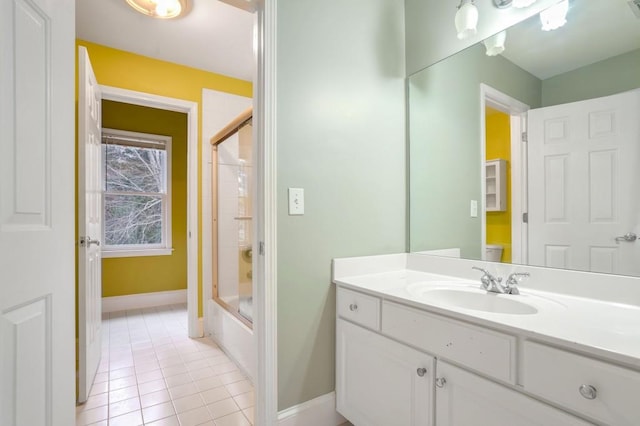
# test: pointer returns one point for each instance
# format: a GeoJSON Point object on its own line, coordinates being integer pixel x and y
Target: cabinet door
{"type": "Point", "coordinates": [381, 382]}
{"type": "Point", "coordinates": [465, 399]}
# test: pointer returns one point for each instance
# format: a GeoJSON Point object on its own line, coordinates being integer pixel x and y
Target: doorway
{"type": "Point", "coordinates": [503, 119]}
{"type": "Point", "coordinates": [191, 110]}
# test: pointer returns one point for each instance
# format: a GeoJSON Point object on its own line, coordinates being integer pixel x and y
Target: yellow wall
{"type": "Point", "coordinates": [499, 146]}
{"type": "Point", "coordinates": [132, 275]}
{"type": "Point", "coordinates": [134, 72]}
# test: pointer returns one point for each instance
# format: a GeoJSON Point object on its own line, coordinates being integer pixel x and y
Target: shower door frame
{"type": "Point", "coordinates": [229, 130]}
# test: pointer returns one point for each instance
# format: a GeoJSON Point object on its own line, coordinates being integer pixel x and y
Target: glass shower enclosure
{"type": "Point", "coordinates": [233, 219]}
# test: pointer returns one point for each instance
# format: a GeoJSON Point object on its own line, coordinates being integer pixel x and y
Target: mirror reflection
{"type": "Point", "coordinates": [565, 197]}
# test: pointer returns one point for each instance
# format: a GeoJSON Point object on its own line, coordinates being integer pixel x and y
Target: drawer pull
{"type": "Point", "coordinates": [440, 382]}
{"type": "Point", "coordinates": [353, 307]}
{"type": "Point", "coordinates": [588, 391]}
{"type": "Point", "coordinates": [421, 372]}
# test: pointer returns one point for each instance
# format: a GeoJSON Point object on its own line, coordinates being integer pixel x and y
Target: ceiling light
{"type": "Point", "coordinates": [466, 19]}
{"type": "Point", "coordinates": [495, 44]}
{"type": "Point", "coordinates": [555, 16]}
{"type": "Point", "coordinates": [163, 9]}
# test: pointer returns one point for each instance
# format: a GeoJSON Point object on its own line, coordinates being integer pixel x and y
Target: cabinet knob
{"type": "Point", "coordinates": [588, 391]}
{"type": "Point", "coordinates": [440, 382]}
{"type": "Point", "coordinates": [421, 372]}
{"type": "Point", "coordinates": [353, 307]}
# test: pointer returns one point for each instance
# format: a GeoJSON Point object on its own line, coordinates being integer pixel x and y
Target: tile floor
{"type": "Point", "coordinates": [151, 373]}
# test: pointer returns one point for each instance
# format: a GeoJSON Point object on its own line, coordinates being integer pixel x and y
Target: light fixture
{"type": "Point", "coordinates": [163, 9]}
{"type": "Point", "coordinates": [555, 16]}
{"type": "Point", "coordinates": [466, 19]}
{"type": "Point", "coordinates": [495, 43]}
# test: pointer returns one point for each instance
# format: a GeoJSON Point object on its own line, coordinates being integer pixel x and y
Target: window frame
{"type": "Point", "coordinates": [134, 250]}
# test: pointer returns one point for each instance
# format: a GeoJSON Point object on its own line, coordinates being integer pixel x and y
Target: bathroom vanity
{"type": "Point", "coordinates": [419, 343]}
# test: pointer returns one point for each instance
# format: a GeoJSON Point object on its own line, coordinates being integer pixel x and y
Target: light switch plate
{"type": "Point", "coordinates": [474, 208]}
{"type": "Point", "coordinates": [296, 201]}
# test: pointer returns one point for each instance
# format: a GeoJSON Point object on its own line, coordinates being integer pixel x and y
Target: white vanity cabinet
{"type": "Point", "coordinates": [466, 399]}
{"type": "Point", "coordinates": [381, 382]}
{"type": "Point", "coordinates": [394, 366]}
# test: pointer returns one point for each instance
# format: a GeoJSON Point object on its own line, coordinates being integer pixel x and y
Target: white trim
{"type": "Point", "coordinates": [143, 300]}
{"type": "Point", "coordinates": [516, 109]}
{"type": "Point", "coordinates": [108, 254]}
{"type": "Point", "coordinates": [320, 411]}
{"type": "Point", "coordinates": [265, 264]}
{"type": "Point", "coordinates": [191, 109]}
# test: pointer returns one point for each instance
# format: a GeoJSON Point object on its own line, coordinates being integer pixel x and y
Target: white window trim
{"type": "Point", "coordinates": [166, 248]}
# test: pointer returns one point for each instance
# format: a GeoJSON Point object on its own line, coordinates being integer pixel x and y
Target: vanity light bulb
{"type": "Point", "coordinates": [555, 16]}
{"type": "Point", "coordinates": [466, 19]}
{"type": "Point", "coordinates": [495, 44]}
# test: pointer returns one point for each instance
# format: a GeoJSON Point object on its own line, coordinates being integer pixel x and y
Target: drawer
{"type": "Point", "coordinates": [558, 375]}
{"type": "Point", "coordinates": [360, 308]}
{"type": "Point", "coordinates": [480, 349]}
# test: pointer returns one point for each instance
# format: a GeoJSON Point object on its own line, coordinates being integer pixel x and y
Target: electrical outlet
{"type": "Point", "coordinates": [296, 201]}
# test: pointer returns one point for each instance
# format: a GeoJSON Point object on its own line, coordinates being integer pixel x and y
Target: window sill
{"type": "Point", "coordinates": [136, 253]}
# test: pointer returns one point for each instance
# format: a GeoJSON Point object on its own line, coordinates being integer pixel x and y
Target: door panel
{"type": "Point", "coordinates": [89, 224]}
{"type": "Point", "coordinates": [37, 356]}
{"type": "Point", "coordinates": [584, 158]}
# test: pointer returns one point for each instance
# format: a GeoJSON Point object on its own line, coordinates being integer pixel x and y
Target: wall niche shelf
{"type": "Point", "coordinates": [496, 185]}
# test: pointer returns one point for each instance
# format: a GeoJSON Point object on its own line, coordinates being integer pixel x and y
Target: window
{"type": "Point", "coordinates": [136, 194]}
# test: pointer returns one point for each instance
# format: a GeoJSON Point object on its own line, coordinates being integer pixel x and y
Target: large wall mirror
{"type": "Point", "coordinates": [574, 90]}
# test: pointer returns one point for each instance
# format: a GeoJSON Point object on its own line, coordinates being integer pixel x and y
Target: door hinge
{"type": "Point", "coordinates": [525, 217]}
{"type": "Point", "coordinates": [261, 248]}
{"type": "Point", "coordinates": [525, 137]}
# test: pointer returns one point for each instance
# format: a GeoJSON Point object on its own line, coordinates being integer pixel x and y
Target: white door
{"type": "Point", "coordinates": [584, 174]}
{"type": "Point", "coordinates": [89, 225]}
{"type": "Point", "coordinates": [464, 399]}
{"type": "Point", "coordinates": [381, 382]}
{"type": "Point", "coordinates": [37, 279]}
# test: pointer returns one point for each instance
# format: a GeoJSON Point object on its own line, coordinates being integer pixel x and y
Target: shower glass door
{"type": "Point", "coordinates": [234, 169]}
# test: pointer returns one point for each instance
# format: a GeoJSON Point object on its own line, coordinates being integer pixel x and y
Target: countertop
{"type": "Point", "coordinates": [604, 329]}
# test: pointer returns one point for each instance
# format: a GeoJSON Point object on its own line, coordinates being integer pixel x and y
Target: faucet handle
{"type": "Point", "coordinates": [511, 286]}
{"type": "Point", "coordinates": [488, 281]}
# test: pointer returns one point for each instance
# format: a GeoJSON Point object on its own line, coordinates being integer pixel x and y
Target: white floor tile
{"type": "Point", "coordinates": [235, 419]}
{"type": "Point", "coordinates": [152, 372]}
{"type": "Point", "coordinates": [194, 417]}
{"type": "Point", "coordinates": [157, 412]}
{"type": "Point", "coordinates": [93, 415]}
{"type": "Point", "coordinates": [154, 398]}
{"type": "Point", "coordinates": [187, 403]}
{"type": "Point", "coordinates": [123, 407]}
{"type": "Point", "coordinates": [223, 408]}
{"type": "Point", "coordinates": [238, 388]}
{"type": "Point", "coordinates": [130, 419]}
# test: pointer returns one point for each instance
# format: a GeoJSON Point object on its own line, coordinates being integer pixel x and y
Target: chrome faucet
{"type": "Point", "coordinates": [494, 284]}
{"type": "Point", "coordinates": [489, 282]}
{"type": "Point", "coordinates": [511, 286]}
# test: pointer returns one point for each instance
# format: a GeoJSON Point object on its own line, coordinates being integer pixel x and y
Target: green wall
{"type": "Point", "coordinates": [132, 275]}
{"type": "Point", "coordinates": [341, 137]}
{"type": "Point", "coordinates": [608, 77]}
{"type": "Point", "coordinates": [444, 129]}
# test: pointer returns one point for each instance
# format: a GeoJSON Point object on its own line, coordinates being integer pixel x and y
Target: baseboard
{"type": "Point", "coordinates": [320, 411]}
{"type": "Point", "coordinates": [143, 300]}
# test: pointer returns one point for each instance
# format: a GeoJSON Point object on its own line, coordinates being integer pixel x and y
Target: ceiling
{"type": "Point", "coordinates": [595, 30]}
{"type": "Point", "coordinates": [214, 36]}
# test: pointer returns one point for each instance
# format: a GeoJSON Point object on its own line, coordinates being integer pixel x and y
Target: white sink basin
{"type": "Point", "coordinates": [473, 299]}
